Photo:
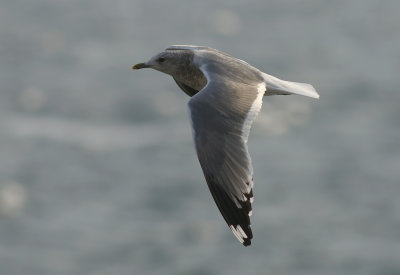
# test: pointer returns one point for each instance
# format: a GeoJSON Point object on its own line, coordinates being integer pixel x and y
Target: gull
{"type": "Point", "coordinates": [226, 97]}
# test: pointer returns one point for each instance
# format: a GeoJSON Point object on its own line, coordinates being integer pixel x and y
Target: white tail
{"type": "Point", "coordinates": [276, 86]}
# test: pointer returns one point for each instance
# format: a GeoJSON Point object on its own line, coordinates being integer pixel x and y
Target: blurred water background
{"type": "Point", "coordinates": [98, 174]}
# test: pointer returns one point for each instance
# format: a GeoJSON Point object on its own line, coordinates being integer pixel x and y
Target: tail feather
{"type": "Point", "coordinates": [276, 86]}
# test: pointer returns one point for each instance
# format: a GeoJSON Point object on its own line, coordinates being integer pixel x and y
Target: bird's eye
{"type": "Point", "coordinates": [161, 59]}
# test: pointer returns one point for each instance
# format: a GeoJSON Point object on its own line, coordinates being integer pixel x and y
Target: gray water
{"type": "Point", "coordinates": [98, 174]}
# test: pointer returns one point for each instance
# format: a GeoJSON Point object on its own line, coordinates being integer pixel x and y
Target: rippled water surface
{"type": "Point", "coordinates": [98, 174]}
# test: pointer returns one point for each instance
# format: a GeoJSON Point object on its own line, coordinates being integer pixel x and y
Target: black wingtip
{"type": "Point", "coordinates": [246, 242]}
{"type": "Point", "coordinates": [237, 217]}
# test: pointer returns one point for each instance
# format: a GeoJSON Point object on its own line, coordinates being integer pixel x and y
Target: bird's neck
{"type": "Point", "coordinates": [191, 77]}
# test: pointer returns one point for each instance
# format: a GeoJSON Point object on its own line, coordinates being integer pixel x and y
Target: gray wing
{"type": "Point", "coordinates": [221, 115]}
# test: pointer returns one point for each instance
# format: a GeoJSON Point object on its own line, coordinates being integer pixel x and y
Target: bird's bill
{"type": "Point", "coordinates": [140, 66]}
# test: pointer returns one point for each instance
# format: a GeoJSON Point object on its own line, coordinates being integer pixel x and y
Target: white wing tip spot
{"type": "Point", "coordinates": [239, 228]}
{"type": "Point", "coordinates": [238, 232]}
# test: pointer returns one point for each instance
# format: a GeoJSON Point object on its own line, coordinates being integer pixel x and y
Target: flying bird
{"type": "Point", "coordinates": [226, 97]}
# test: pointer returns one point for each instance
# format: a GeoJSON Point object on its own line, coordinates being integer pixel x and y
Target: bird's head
{"type": "Point", "coordinates": [168, 62]}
